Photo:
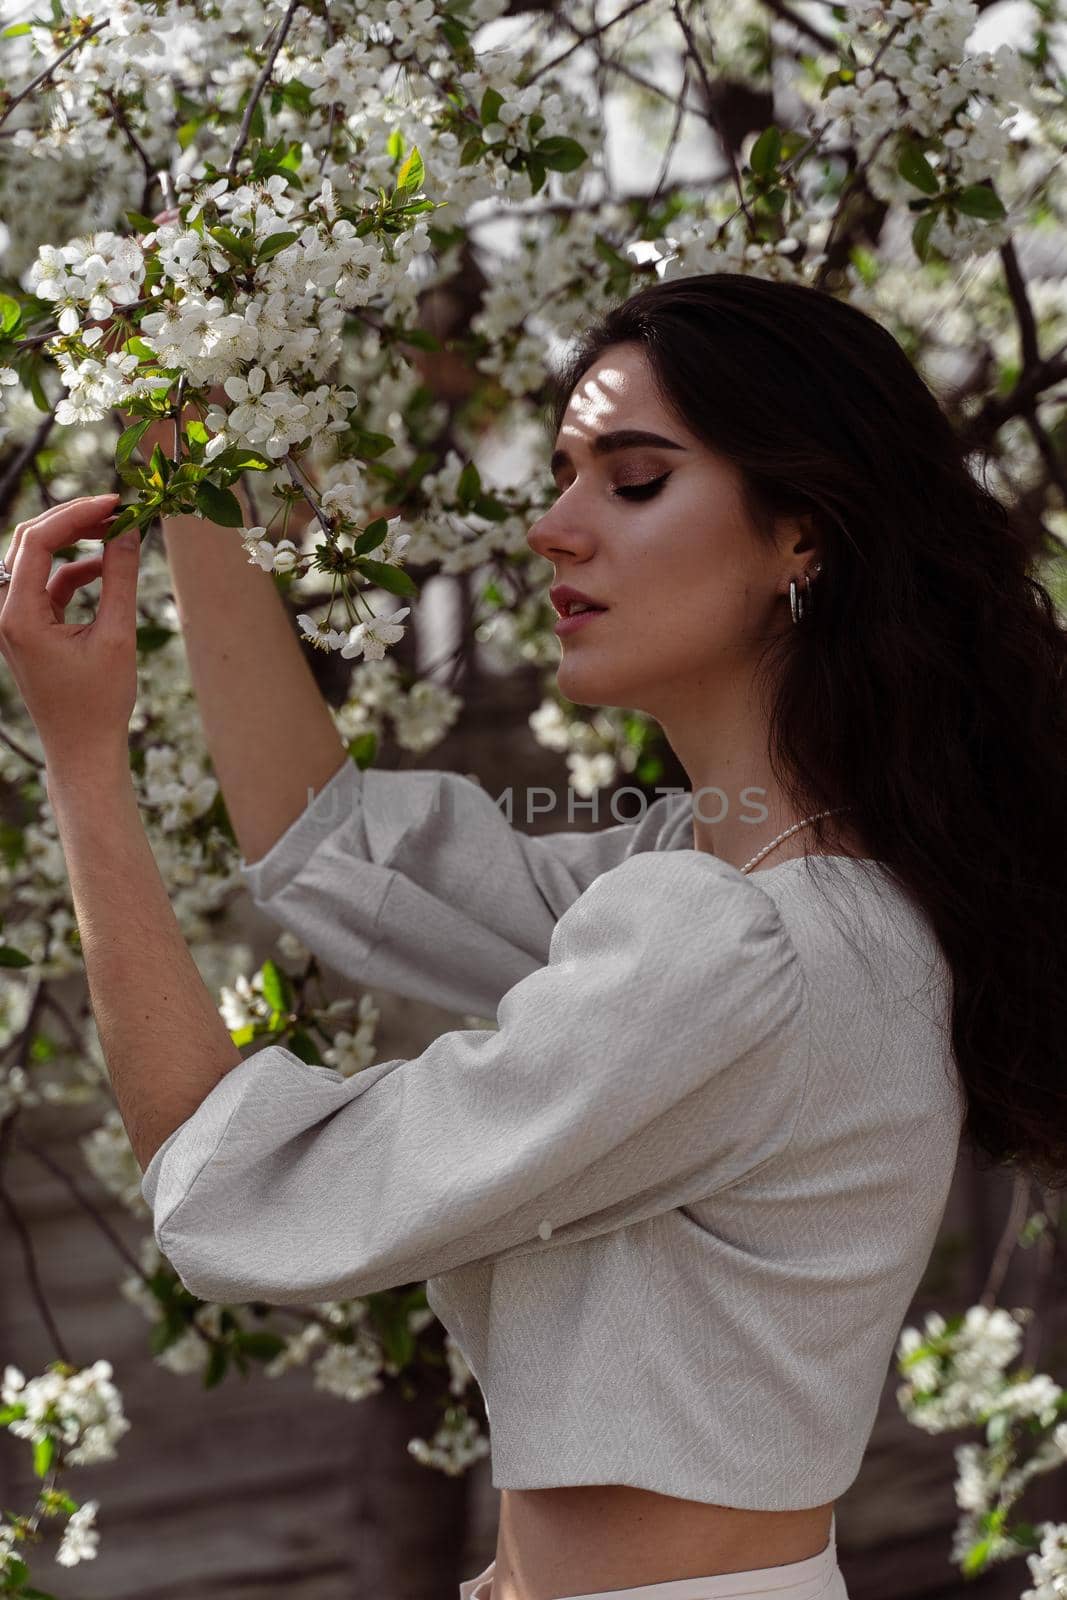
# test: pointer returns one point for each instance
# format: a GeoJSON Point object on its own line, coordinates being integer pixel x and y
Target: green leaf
{"type": "Point", "coordinates": [153, 636]}
{"type": "Point", "coordinates": [239, 458]}
{"type": "Point", "coordinates": [421, 338]}
{"type": "Point", "coordinates": [469, 486]}
{"type": "Point", "coordinates": [217, 1362]}
{"type": "Point", "coordinates": [44, 1454]}
{"type": "Point", "coordinates": [920, 236]}
{"type": "Point", "coordinates": [137, 347]}
{"type": "Point", "coordinates": [140, 223]}
{"type": "Point", "coordinates": [241, 248]}
{"type": "Point", "coordinates": [386, 576]}
{"type": "Point", "coordinates": [363, 748]}
{"type": "Point", "coordinates": [538, 174]}
{"type": "Point", "coordinates": [471, 151]}
{"type": "Point", "coordinates": [303, 1045]}
{"type": "Point", "coordinates": [492, 100]}
{"type": "Point", "coordinates": [493, 510]}
{"type": "Point", "coordinates": [978, 201]}
{"type": "Point", "coordinates": [394, 145]}
{"type": "Point", "coordinates": [160, 467]}
{"type": "Point", "coordinates": [368, 446]}
{"type": "Point", "coordinates": [167, 1331]}
{"type": "Point", "coordinates": [276, 987]}
{"type": "Point", "coordinates": [10, 314]}
{"type": "Point", "coordinates": [219, 505]}
{"type": "Point", "coordinates": [260, 1346]}
{"type": "Point", "coordinates": [298, 95]}
{"type": "Point", "coordinates": [15, 30]}
{"type": "Point", "coordinates": [245, 1035]}
{"type": "Point", "coordinates": [132, 516]}
{"type": "Point", "coordinates": [277, 241]}
{"type": "Point", "coordinates": [766, 151]}
{"type": "Point", "coordinates": [10, 957]}
{"type": "Point", "coordinates": [915, 169]}
{"type": "Point", "coordinates": [455, 33]}
{"type": "Point", "coordinates": [412, 172]}
{"type": "Point", "coordinates": [975, 1559]}
{"type": "Point", "coordinates": [129, 440]}
{"type": "Point", "coordinates": [561, 155]}
{"type": "Point", "coordinates": [371, 537]}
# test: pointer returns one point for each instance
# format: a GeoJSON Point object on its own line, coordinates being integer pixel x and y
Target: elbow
{"type": "Point", "coordinates": [214, 1272]}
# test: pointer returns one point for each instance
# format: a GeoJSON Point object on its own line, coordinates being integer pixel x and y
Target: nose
{"type": "Point", "coordinates": [554, 534]}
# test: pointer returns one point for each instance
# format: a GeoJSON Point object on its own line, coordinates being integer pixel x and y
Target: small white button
{"type": "Point", "coordinates": [545, 1229]}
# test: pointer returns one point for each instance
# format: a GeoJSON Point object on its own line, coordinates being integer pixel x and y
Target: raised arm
{"type": "Point", "coordinates": [253, 683]}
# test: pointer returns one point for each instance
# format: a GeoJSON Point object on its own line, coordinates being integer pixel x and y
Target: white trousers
{"type": "Point", "coordinates": [818, 1577]}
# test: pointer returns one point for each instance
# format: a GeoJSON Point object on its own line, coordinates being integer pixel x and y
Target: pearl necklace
{"type": "Point", "coordinates": [768, 848]}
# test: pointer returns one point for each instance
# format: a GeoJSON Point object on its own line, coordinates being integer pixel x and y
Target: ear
{"type": "Point", "coordinates": [797, 535]}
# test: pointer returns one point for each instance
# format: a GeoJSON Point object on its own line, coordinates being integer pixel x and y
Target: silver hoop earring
{"type": "Point", "coordinates": [799, 602]}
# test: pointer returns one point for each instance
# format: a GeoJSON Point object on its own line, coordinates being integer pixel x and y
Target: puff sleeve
{"type": "Point", "coordinates": [417, 882]}
{"type": "Point", "coordinates": [659, 1055]}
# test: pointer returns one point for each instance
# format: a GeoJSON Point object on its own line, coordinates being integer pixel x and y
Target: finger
{"type": "Point", "coordinates": [116, 615]}
{"type": "Point", "coordinates": [31, 522]}
{"type": "Point", "coordinates": [62, 525]}
{"type": "Point", "coordinates": [72, 576]}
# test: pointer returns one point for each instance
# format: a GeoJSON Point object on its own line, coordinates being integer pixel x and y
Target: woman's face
{"type": "Point", "coordinates": [657, 535]}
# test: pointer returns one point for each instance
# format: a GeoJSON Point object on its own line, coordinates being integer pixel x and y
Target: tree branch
{"type": "Point", "coordinates": [261, 84]}
{"type": "Point", "coordinates": [47, 73]}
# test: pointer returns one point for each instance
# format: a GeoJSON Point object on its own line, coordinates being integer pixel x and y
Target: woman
{"type": "Point", "coordinates": [675, 1206]}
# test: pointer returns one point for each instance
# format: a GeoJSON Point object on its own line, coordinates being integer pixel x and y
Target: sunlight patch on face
{"type": "Point", "coordinates": [596, 399]}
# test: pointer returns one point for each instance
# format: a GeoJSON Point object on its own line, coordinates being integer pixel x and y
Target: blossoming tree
{"type": "Point", "coordinates": [234, 219]}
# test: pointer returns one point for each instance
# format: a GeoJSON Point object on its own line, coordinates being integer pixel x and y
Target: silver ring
{"type": "Point", "coordinates": [5, 576]}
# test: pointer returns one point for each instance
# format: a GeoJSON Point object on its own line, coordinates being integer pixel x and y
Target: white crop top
{"type": "Point", "coordinates": [673, 1209]}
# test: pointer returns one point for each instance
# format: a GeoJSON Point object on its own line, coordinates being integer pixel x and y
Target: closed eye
{"type": "Point", "coordinates": [641, 491]}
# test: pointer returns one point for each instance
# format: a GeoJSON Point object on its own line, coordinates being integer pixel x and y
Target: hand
{"type": "Point", "coordinates": [79, 680]}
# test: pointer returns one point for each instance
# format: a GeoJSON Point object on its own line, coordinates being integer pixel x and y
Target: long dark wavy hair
{"type": "Point", "coordinates": [925, 686]}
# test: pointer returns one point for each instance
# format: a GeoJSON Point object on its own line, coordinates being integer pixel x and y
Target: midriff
{"type": "Point", "coordinates": [581, 1540]}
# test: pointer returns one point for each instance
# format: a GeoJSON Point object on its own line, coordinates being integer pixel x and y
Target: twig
{"type": "Point", "coordinates": [306, 487]}
{"type": "Point", "coordinates": [17, 749]}
{"type": "Point", "coordinates": [1028, 340]}
{"type": "Point", "coordinates": [178, 402]}
{"type": "Point", "coordinates": [328, 146]}
{"type": "Point", "coordinates": [7, 1130]}
{"type": "Point", "coordinates": [29, 1257]}
{"type": "Point", "coordinates": [1020, 1201]}
{"type": "Point", "coordinates": [802, 25]}
{"type": "Point", "coordinates": [712, 112]}
{"type": "Point", "coordinates": [583, 38]}
{"type": "Point", "coordinates": [93, 1210]}
{"type": "Point", "coordinates": [138, 148]}
{"type": "Point", "coordinates": [99, 322]}
{"type": "Point", "coordinates": [9, 483]}
{"type": "Point", "coordinates": [261, 84]}
{"type": "Point", "coordinates": [58, 62]}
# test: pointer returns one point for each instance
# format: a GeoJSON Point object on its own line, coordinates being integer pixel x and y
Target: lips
{"type": "Point", "coordinates": [563, 597]}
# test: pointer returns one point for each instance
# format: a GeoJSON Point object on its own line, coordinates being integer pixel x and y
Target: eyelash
{"type": "Point", "coordinates": [642, 491]}
{"type": "Point", "coordinates": [633, 491]}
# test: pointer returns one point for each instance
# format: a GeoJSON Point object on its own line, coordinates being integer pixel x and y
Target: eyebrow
{"type": "Point", "coordinates": [607, 443]}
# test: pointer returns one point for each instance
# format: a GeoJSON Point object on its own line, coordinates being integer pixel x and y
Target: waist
{"type": "Point", "coordinates": [587, 1538]}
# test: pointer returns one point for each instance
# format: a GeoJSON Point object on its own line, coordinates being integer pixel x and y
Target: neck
{"type": "Point", "coordinates": [738, 807]}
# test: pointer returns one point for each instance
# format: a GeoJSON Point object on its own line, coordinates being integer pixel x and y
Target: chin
{"type": "Point", "coordinates": [589, 684]}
